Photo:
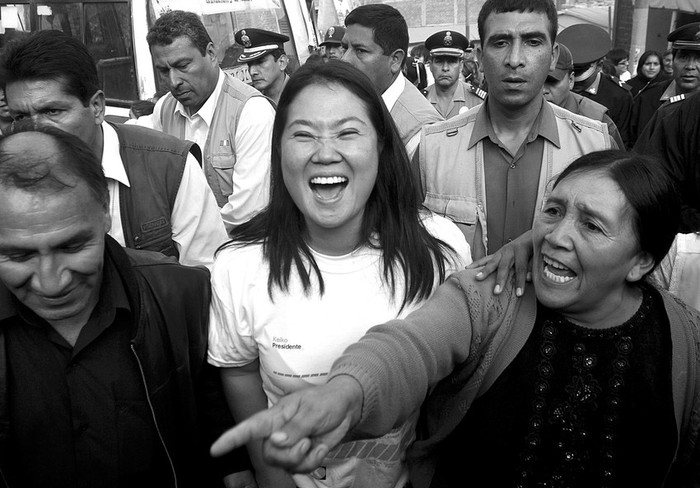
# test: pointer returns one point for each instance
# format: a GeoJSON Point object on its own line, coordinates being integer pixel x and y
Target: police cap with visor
{"type": "Point", "coordinates": [258, 43]}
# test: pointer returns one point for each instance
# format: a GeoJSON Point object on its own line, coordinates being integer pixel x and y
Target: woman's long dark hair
{"type": "Point", "coordinates": [391, 212]}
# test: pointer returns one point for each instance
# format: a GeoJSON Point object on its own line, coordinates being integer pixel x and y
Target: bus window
{"type": "Point", "coordinates": [104, 26]}
{"type": "Point", "coordinates": [108, 38]}
{"type": "Point", "coordinates": [14, 21]}
{"type": "Point", "coordinates": [64, 17]}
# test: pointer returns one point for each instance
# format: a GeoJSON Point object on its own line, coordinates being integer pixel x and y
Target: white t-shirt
{"type": "Point", "coordinates": [298, 336]}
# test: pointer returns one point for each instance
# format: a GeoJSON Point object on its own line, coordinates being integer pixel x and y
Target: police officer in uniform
{"type": "Point", "coordinates": [557, 90]}
{"type": "Point", "coordinates": [588, 45]}
{"type": "Point", "coordinates": [448, 94]}
{"type": "Point", "coordinates": [333, 42]}
{"type": "Point", "coordinates": [263, 51]}
{"type": "Point", "coordinates": [673, 135]}
{"type": "Point", "coordinates": [686, 77]}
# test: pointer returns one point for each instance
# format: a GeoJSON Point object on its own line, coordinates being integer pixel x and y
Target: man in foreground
{"type": "Point", "coordinates": [104, 376]}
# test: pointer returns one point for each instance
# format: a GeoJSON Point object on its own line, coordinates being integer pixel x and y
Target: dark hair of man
{"type": "Point", "coordinates": [650, 192]}
{"type": "Point", "coordinates": [387, 23]}
{"type": "Point", "coordinates": [178, 23]}
{"type": "Point", "coordinates": [391, 212]}
{"type": "Point", "coordinates": [72, 161]}
{"type": "Point", "coordinates": [504, 6]}
{"type": "Point", "coordinates": [51, 55]}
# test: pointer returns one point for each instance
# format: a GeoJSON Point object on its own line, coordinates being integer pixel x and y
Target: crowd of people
{"type": "Point", "coordinates": [478, 264]}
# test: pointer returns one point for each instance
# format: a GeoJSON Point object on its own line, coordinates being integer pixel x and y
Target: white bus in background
{"type": "Point", "coordinates": [115, 33]}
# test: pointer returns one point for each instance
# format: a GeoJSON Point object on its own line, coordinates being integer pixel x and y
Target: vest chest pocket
{"type": "Point", "coordinates": [158, 240]}
{"type": "Point", "coordinates": [460, 210]}
{"type": "Point", "coordinates": [222, 162]}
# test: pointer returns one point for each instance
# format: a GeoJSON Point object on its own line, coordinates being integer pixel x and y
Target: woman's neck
{"type": "Point", "coordinates": [335, 241]}
{"type": "Point", "coordinates": [616, 312]}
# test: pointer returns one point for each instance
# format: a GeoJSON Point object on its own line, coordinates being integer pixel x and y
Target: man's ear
{"type": "Point", "coordinates": [107, 222]}
{"type": "Point", "coordinates": [283, 61]}
{"type": "Point", "coordinates": [210, 53]}
{"type": "Point", "coordinates": [396, 60]}
{"type": "Point", "coordinates": [555, 56]}
{"type": "Point", "coordinates": [97, 105]}
{"type": "Point", "coordinates": [479, 56]}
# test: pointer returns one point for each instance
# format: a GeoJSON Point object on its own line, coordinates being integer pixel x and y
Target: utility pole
{"type": "Point", "coordinates": [640, 20]}
{"type": "Point", "coordinates": [466, 14]}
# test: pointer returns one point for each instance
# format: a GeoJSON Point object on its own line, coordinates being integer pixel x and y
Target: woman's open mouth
{"type": "Point", "coordinates": [328, 188]}
{"type": "Point", "coordinates": [557, 272]}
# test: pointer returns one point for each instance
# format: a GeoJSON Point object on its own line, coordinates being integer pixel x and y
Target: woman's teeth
{"type": "Point", "coordinates": [557, 272]}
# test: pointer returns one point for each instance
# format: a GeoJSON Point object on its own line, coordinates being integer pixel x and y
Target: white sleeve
{"type": "Point", "coordinates": [197, 227]}
{"type": "Point", "coordinates": [251, 173]}
{"type": "Point", "coordinates": [154, 120]}
{"type": "Point", "coordinates": [146, 121]}
{"type": "Point", "coordinates": [449, 233]}
{"type": "Point", "coordinates": [412, 144]}
{"type": "Point", "coordinates": [231, 341]}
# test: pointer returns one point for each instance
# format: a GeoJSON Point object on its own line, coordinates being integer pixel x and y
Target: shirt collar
{"type": "Point", "coordinates": [392, 94]}
{"type": "Point", "coordinates": [112, 163]}
{"type": "Point", "coordinates": [206, 111]}
{"type": "Point", "coordinates": [545, 125]}
{"type": "Point", "coordinates": [670, 91]}
{"type": "Point", "coordinates": [460, 92]}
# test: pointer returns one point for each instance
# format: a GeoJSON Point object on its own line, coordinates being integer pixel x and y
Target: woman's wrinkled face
{"type": "Point", "coordinates": [586, 250]}
{"type": "Point", "coordinates": [651, 67]}
{"type": "Point", "coordinates": [330, 159]}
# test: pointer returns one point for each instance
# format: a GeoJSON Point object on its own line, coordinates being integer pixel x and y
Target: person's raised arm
{"type": "Point", "coordinates": [376, 384]}
{"type": "Point", "coordinates": [302, 427]}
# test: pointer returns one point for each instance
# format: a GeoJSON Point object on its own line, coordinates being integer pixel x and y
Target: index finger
{"type": "Point", "coordinates": [258, 426]}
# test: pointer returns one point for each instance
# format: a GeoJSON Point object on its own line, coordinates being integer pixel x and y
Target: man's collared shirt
{"type": "Point", "coordinates": [197, 229]}
{"type": "Point", "coordinates": [197, 124]}
{"type": "Point", "coordinates": [252, 142]}
{"type": "Point", "coordinates": [512, 180]}
{"type": "Point", "coordinates": [79, 414]}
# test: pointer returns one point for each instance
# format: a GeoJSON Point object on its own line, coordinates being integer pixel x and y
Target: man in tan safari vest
{"type": "Point", "coordinates": [487, 169]}
{"type": "Point", "coordinates": [229, 120]}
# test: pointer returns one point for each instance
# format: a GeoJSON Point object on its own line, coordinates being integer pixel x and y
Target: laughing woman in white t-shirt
{"type": "Point", "coordinates": [343, 246]}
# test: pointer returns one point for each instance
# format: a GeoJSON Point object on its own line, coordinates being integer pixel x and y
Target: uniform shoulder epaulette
{"type": "Point", "coordinates": [477, 91]}
{"type": "Point", "coordinates": [676, 98]}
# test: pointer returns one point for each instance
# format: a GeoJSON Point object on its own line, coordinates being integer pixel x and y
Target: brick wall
{"type": "Point", "coordinates": [622, 33]}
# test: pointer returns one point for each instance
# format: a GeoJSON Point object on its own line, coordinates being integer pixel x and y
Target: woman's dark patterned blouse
{"type": "Point", "coordinates": [578, 407]}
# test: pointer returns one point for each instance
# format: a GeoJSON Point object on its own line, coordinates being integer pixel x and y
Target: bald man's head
{"type": "Point", "coordinates": [47, 161]}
